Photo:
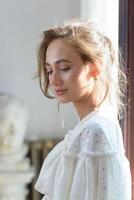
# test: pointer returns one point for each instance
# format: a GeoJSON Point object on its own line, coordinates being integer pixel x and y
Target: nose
{"type": "Point", "coordinates": [55, 79]}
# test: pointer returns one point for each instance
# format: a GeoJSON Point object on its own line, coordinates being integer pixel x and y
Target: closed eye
{"type": "Point", "coordinates": [49, 72]}
{"type": "Point", "coordinates": [65, 69]}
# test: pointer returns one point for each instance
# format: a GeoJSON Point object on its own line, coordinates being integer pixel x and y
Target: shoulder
{"type": "Point", "coordinates": [101, 126]}
{"type": "Point", "coordinates": [99, 136]}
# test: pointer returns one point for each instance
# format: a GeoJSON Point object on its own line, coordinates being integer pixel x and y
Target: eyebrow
{"type": "Point", "coordinates": [59, 61]}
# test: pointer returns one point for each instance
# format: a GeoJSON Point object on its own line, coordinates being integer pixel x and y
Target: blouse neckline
{"type": "Point", "coordinates": [104, 110]}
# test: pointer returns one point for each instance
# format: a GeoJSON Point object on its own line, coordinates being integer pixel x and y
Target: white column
{"type": "Point", "coordinates": [15, 173]}
{"type": "Point", "coordinates": [105, 13]}
{"type": "Point", "coordinates": [13, 185]}
{"type": "Point", "coordinates": [15, 168]}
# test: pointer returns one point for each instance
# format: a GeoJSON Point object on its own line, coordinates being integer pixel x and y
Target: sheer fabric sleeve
{"type": "Point", "coordinates": [56, 174]}
{"type": "Point", "coordinates": [86, 166]}
{"type": "Point", "coordinates": [102, 172]}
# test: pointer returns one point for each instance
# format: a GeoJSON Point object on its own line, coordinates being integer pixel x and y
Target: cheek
{"type": "Point", "coordinates": [80, 81]}
{"type": "Point", "coordinates": [81, 85]}
{"type": "Point", "coordinates": [76, 85]}
{"type": "Point", "coordinates": [66, 78]}
{"type": "Point", "coordinates": [73, 76]}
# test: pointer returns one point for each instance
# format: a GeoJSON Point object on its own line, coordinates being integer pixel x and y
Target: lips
{"type": "Point", "coordinates": [60, 92]}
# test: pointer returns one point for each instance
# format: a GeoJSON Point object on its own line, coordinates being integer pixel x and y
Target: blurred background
{"type": "Point", "coordinates": [21, 25]}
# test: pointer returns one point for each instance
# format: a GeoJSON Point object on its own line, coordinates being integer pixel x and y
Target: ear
{"type": "Point", "coordinates": [95, 69]}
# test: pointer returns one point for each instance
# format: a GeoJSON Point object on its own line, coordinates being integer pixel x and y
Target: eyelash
{"type": "Point", "coordinates": [63, 69]}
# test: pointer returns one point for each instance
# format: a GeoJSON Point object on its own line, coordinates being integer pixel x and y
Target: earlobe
{"type": "Point", "coordinates": [95, 70]}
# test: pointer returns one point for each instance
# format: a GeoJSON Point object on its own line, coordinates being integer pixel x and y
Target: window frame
{"type": "Point", "coordinates": [126, 42]}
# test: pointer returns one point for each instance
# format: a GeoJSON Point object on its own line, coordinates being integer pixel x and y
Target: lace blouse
{"type": "Point", "coordinates": [89, 163]}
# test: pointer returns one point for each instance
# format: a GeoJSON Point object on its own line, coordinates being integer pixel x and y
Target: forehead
{"type": "Point", "coordinates": [60, 49]}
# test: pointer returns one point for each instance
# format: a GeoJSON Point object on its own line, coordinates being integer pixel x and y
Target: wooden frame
{"type": "Point", "coordinates": [126, 41]}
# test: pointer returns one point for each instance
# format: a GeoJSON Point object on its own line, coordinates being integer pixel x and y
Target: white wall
{"type": "Point", "coordinates": [105, 13]}
{"type": "Point", "coordinates": [21, 22]}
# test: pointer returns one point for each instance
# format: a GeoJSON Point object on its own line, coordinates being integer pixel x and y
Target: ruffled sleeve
{"type": "Point", "coordinates": [89, 165]}
{"type": "Point", "coordinates": [102, 171]}
{"type": "Point", "coordinates": [56, 174]}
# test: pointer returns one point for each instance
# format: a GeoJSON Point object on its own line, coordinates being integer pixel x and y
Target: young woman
{"type": "Point", "coordinates": [78, 64]}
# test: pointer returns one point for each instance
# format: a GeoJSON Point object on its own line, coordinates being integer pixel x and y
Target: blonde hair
{"type": "Point", "coordinates": [92, 46]}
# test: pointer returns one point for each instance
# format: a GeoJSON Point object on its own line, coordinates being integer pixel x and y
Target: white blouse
{"type": "Point", "coordinates": [89, 163]}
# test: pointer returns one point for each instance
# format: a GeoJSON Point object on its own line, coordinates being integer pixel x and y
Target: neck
{"type": "Point", "coordinates": [88, 104]}
{"type": "Point", "coordinates": [84, 109]}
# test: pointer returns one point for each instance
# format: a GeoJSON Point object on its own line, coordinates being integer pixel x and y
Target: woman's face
{"type": "Point", "coordinates": [68, 76]}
